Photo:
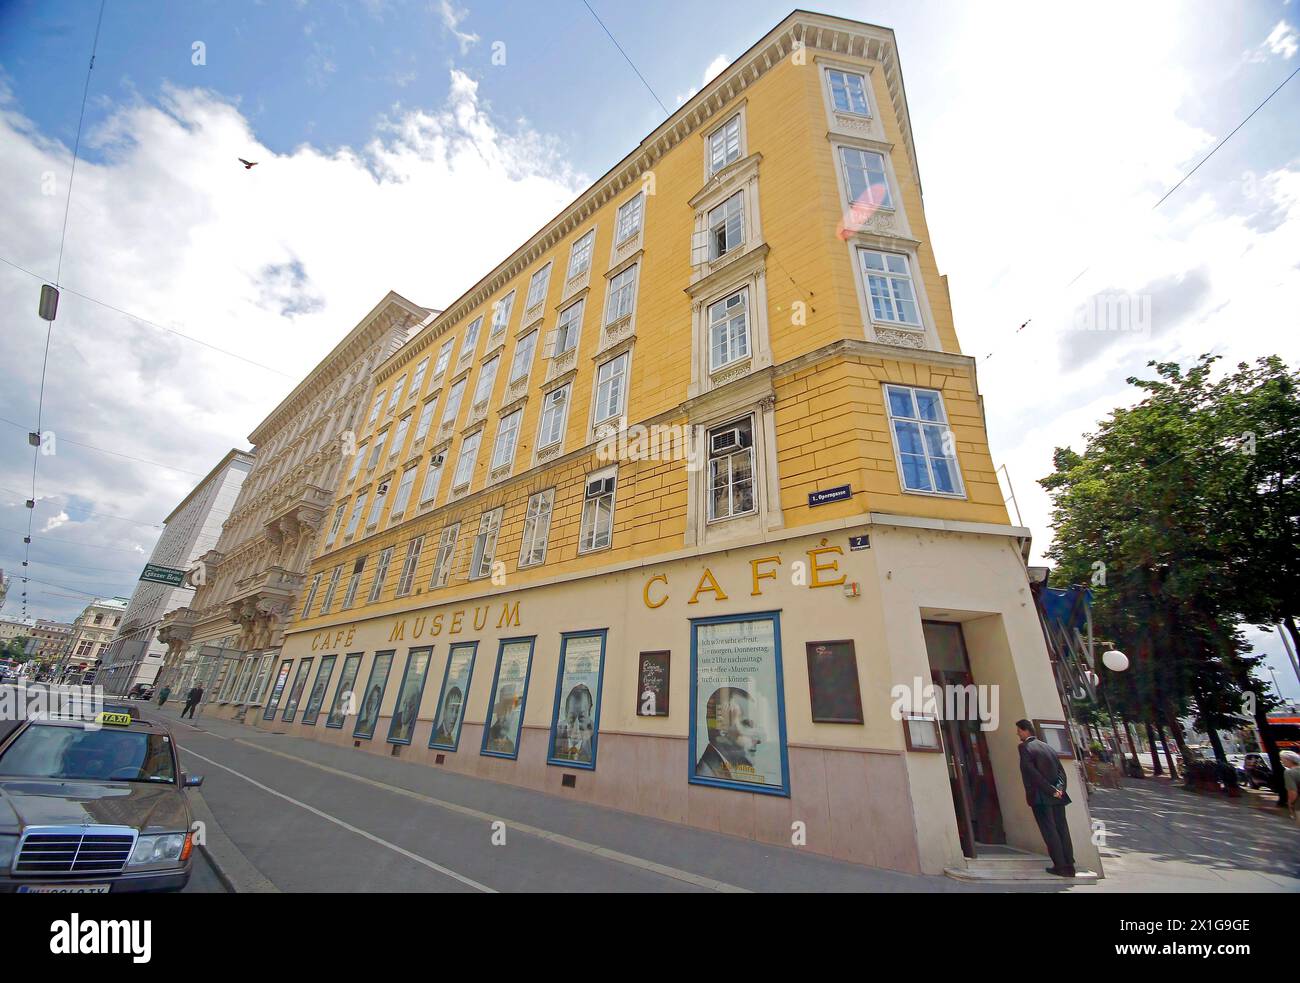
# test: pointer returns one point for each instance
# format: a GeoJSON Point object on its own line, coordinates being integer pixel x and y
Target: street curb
{"type": "Point", "coordinates": [233, 869]}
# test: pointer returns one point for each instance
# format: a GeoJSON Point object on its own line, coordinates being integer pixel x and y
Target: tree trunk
{"type": "Point", "coordinates": [1155, 752]}
{"type": "Point", "coordinates": [1128, 732]}
{"type": "Point", "coordinates": [1169, 755]}
{"type": "Point", "coordinates": [1171, 719]}
{"type": "Point", "coordinates": [1216, 742]}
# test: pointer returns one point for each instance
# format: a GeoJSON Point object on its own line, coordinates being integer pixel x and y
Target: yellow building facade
{"type": "Point", "coordinates": [671, 509]}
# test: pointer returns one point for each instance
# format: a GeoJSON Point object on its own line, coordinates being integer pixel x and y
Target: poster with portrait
{"type": "Point", "coordinates": [407, 708]}
{"type": "Point", "coordinates": [737, 709]}
{"type": "Point", "coordinates": [505, 716]}
{"type": "Point", "coordinates": [295, 693]}
{"type": "Point", "coordinates": [453, 697]}
{"type": "Point", "coordinates": [576, 718]}
{"type": "Point", "coordinates": [277, 690]}
{"type": "Point", "coordinates": [833, 682]}
{"type": "Point", "coordinates": [345, 697]}
{"type": "Point", "coordinates": [312, 711]}
{"type": "Point", "coordinates": [652, 684]}
{"type": "Point", "coordinates": [373, 696]}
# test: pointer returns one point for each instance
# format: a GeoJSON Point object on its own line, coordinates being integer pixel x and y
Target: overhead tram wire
{"type": "Point", "coordinates": [105, 450]}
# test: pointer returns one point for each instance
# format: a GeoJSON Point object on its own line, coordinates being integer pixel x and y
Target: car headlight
{"type": "Point", "coordinates": [160, 849]}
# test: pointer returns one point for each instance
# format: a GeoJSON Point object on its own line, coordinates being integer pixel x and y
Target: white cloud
{"type": "Point", "coordinates": [711, 71]}
{"type": "Point", "coordinates": [1283, 40]}
{"type": "Point", "coordinates": [451, 19]}
{"type": "Point", "coordinates": [55, 521]}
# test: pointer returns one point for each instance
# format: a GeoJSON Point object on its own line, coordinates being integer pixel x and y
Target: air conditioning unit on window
{"type": "Point", "coordinates": [559, 396]}
{"type": "Point", "coordinates": [600, 486]}
{"type": "Point", "coordinates": [382, 489]}
{"type": "Point", "coordinates": [731, 439]}
{"type": "Point", "coordinates": [437, 460]}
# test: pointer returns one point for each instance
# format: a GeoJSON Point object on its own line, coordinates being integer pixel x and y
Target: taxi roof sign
{"type": "Point", "coordinates": [114, 719]}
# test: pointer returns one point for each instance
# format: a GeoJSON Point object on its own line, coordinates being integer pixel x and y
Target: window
{"type": "Point", "coordinates": [485, 544]}
{"type": "Point", "coordinates": [537, 287]}
{"type": "Point", "coordinates": [426, 419]}
{"type": "Point", "coordinates": [431, 479]}
{"type": "Point", "coordinates": [381, 573]}
{"type": "Point", "coordinates": [610, 379]}
{"type": "Point", "coordinates": [356, 462]}
{"type": "Point", "coordinates": [338, 521]}
{"type": "Point", "coordinates": [355, 517]}
{"type": "Point", "coordinates": [374, 410]}
{"type": "Point", "coordinates": [580, 255]}
{"type": "Point", "coordinates": [889, 286]}
{"type": "Point", "coordinates": [328, 600]}
{"type": "Point", "coordinates": [629, 219]}
{"type": "Point", "coordinates": [726, 226]}
{"type": "Point", "coordinates": [399, 438]}
{"type": "Point", "coordinates": [731, 470]}
{"type": "Point", "coordinates": [403, 492]}
{"type": "Point", "coordinates": [597, 512]}
{"type": "Point", "coordinates": [622, 295]}
{"type": "Point", "coordinates": [350, 595]}
{"type": "Point", "coordinates": [537, 528]}
{"type": "Point", "coordinates": [444, 354]}
{"type": "Point", "coordinates": [724, 145]}
{"type": "Point", "coordinates": [311, 595]}
{"type": "Point", "coordinates": [407, 577]}
{"type": "Point", "coordinates": [471, 336]}
{"type": "Point", "coordinates": [377, 506]}
{"type": "Point", "coordinates": [729, 330]}
{"type": "Point", "coordinates": [501, 313]}
{"type": "Point", "coordinates": [523, 360]}
{"type": "Point", "coordinates": [864, 176]}
{"type": "Point", "coordinates": [555, 409]}
{"type": "Point", "coordinates": [566, 332]}
{"type": "Point", "coordinates": [503, 451]}
{"type": "Point", "coordinates": [927, 461]}
{"type": "Point", "coordinates": [417, 380]}
{"type": "Point", "coordinates": [486, 380]}
{"type": "Point", "coordinates": [452, 406]}
{"type": "Point", "coordinates": [377, 451]}
{"type": "Point", "coordinates": [848, 92]}
{"type": "Point", "coordinates": [397, 394]}
{"type": "Point", "coordinates": [465, 463]}
{"type": "Point", "coordinates": [446, 549]}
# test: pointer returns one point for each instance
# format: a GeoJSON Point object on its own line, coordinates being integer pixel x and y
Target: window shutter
{"type": "Point", "coordinates": [548, 346]}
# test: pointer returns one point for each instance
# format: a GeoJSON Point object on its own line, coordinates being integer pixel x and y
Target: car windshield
{"type": "Point", "coordinates": [94, 755]}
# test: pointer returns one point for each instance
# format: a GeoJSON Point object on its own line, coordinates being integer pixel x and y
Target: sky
{"type": "Point", "coordinates": [413, 145]}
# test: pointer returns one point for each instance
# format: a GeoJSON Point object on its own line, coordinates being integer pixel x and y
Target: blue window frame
{"type": "Point", "coordinates": [504, 722]}
{"type": "Point", "coordinates": [273, 701]}
{"type": "Point", "coordinates": [347, 680]}
{"type": "Point", "coordinates": [372, 700]}
{"type": "Point", "coordinates": [575, 718]}
{"type": "Point", "coordinates": [406, 711]}
{"type": "Point", "coordinates": [311, 712]}
{"type": "Point", "coordinates": [453, 697]}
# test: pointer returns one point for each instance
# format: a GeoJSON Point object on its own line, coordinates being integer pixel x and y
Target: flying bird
{"type": "Point", "coordinates": [248, 164]}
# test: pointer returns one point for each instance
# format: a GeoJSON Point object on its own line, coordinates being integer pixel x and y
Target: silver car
{"type": "Point", "coordinates": [89, 810]}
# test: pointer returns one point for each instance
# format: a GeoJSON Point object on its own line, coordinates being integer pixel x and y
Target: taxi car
{"type": "Point", "coordinates": [93, 810]}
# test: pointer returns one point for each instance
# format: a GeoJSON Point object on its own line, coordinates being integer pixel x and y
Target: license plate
{"type": "Point", "coordinates": [63, 888]}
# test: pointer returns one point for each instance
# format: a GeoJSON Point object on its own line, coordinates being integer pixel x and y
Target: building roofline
{"type": "Point", "coordinates": [231, 455]}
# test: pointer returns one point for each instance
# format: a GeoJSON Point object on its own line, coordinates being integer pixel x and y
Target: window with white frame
{"type": "Point", "coordinates": [311, 595]}
{"type": "Point", "coordinates": [374, 410]}
{"type": "Point", "coordinates": [377, 451]}
{"type": "Point", "coordinates": [396, 398]}
{"type": "Point", "coordinates": [417, 380]}
{"type": "Point", "coordinates": [724, 144]}
{"type": "Point", "coordinates": [729, 330]}
{"type": "Point", "coordinates": [357, 508]}
{"type": "Point", "coordinates": [731, 470]}
{"type": "Point", "coordinates": [381, 574]}
{"type": "Point", "coordinates": [356, 462]}
{"type": "Point", "coordinates": [629, 218]}
{"type": "Point", "coordinates": [597, 511]}
{"type": "Point", "coordinates": [399, 439]}
{"type": "Point", "coordinates": [622, 295]}
{"type": "Point", "coordinates": [454, 395]}
{"type": "Point", "coordinates": [338, 521]}
{"type": "Point", "coordinates": [523, 360]}
{"type": "Point", "coordinates": [327, 601]}
{"type": "Point", "coordinates": [580, 255]}
{"type": "Point", "coordinates": [888, 279]}
{"type": "Point", "coordinates": [432, 477]}
{"type": "Point", "coordinates": [487, 378]}
{"type": "Point", "coordinates": [501, 313]}
{"type": "Point", "coordinates": [377, 506]}
{"type": "Point", "coordinates": [568, 328]}
{"type": "Point", "coordinates": [503, 451]}
{"type": "Point", "coordinates": [537, 287]}
{"type": "Point", "coordinates": [354, 581]}
{"type": "Point", "coordinates": [848, 92]}
{"type": "Point", "coordinates": [611, 384]}
{"type": "Point", "coordinates": [927, 455]}
{"type": "Point", "coordinates": [471, 336]}
{"type": "Point", "coordinates": [403, 491]}
{"type": "Point", "coordinates": [426, 420]}
{"type": "Point", "coordinates": [444, 355]}
{"type": "Point", "coordinates": [465, 463]}
{"type": "Point", "coordinates": [406, 580]}
{"type": "Point", "coordinates": [485, 545]}
{"type": "Point", "coordinates": [446, 550]}
{"type": "Point", "coordinates": [537, 528]}
{"type": "Point", "coordinates": [864, 177]}
{"type": "Point", "coordinates": [555, 411]}
{"type": "Point", "coordinates": [726, 226]}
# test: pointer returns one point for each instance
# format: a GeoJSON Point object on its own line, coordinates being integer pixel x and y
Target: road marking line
{"type": "Point", "coordinates": [348, 826]}
{"type": "Point", "coordinates": [627, 859]}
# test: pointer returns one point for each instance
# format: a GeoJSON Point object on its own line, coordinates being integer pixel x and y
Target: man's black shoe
{"type": "Point", "coordinates": [1059, 872]}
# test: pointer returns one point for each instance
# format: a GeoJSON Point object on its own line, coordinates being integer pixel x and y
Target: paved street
{"type": "Point", "coordinates": [294, 815]}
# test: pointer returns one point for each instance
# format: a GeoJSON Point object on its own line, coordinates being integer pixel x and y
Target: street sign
{"type": "Point", "coordinates": [836, 494]}
{"type": "Point", "coordinates": [163, 575]}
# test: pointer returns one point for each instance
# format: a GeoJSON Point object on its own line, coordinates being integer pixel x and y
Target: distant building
{"type": "Point", "coordinates": [52, 638]}
{"type": "Point", "coordinates": [92, 632]}
{"type": "Point", "coordinates": [192, 529]}
{"type": "Point", "coordinates": [14, 629]}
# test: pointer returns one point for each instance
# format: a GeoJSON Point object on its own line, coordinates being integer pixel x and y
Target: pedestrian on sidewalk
{"type": "Point", "coordinates": [1044, 778]}
{"type": "Point", "coordinates": [165, 692]}
{"type": "Point", "coordinates": [1291, 779]}
{"type": "Point", "coordinates": [192, 699]}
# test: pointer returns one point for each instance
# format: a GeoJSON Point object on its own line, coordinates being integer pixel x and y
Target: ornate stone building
{"type": "Point", "coordinates": [227, 638]}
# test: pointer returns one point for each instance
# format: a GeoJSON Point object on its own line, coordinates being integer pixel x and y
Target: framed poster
{"type": "Point", "coordinates": [295, 693]}
{"type": "Point", "coordinates": [833, 682]}
{"type": "Point", "coordinates": [450, 713]}
{"type": "Point", "coordinates": [921, 732]}
{"type": "Point", "coordinates": [575, 721]}
{"type": "Point", "coordinates": [1056, 735]}
{"type": "Point", "coordinates": [407, 708]}
{"type": "Point", "coordinates": [373, 697]}
{"type": "Point", "coordinates": [652, 684]}
{"type": "Point", "coordinates": [345, 699]}
{"type": "Point", "coordinates": [737, 732]}
{"type": "Point", "coordinates": [312, 711]}
{"type": "Point", "coordinates": [505, 715]}
{"type": "Point", "coordinates": [277, 690]}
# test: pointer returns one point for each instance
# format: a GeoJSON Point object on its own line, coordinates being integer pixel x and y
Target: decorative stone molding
{"type": "Point", "coordinates": [477, 413]}
{"type": "Point", "coordinates": [901, 337]}
{"type": "Point", "coordinates": [531, 316]}
{"type": "Point", "coordinates": [731, 372]}
{"type": "Point", "coordinates": [563, 363]}
{"type": "Point", "coordinates": [612, 334]}
{"type": "Point", "coordinates": [576, 284]}
{"type": "Point", "coordinates": [501, 473]}
{"type": "Point", "coordinates": [516, 389]}
{"type": "Point", "coordinates": [553, 450]}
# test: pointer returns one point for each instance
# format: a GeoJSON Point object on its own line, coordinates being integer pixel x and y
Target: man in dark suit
{"type": "Point", "coordinates": [1044, 779]}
